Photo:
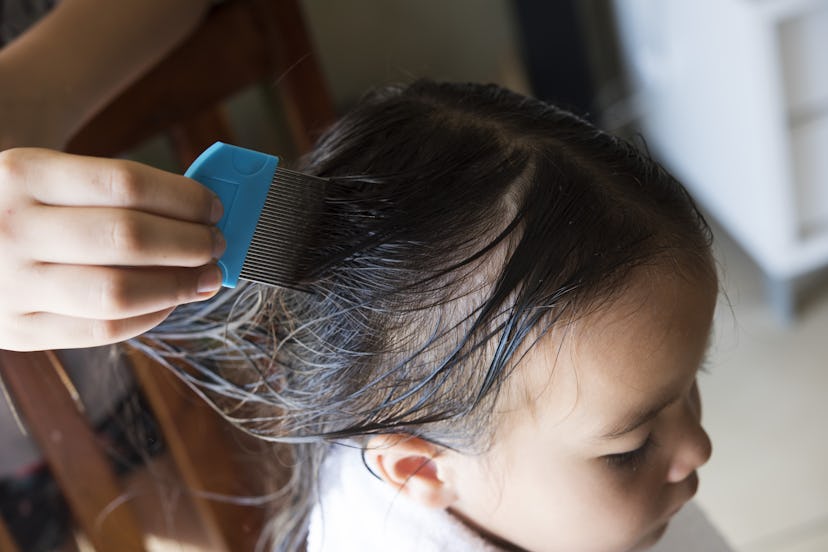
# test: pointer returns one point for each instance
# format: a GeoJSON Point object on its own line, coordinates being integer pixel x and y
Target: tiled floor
{"type": "Point", "coordinates": [766, 409]}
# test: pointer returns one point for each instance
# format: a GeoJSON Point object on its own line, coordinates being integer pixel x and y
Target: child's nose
{"type": "Point", "coordinates": [693, 449]}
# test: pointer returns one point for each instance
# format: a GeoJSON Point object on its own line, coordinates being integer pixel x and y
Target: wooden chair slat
{"type": "Point", "coordinates": [189, 138]}
{"type": "Point", "coordinates": [305, 93]}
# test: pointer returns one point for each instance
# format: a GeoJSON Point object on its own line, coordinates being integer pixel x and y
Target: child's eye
{"type": "Point", "coordinates": [630, 460]}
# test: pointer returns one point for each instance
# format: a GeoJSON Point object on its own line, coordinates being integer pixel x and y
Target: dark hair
{"type": "Point", "coordinates": [464, 221]}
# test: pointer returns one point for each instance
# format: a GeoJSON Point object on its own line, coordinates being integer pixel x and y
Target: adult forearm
{"type": "Point", "coordinates": [77, 58]}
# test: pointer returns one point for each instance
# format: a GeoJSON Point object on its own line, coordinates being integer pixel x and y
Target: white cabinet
{"type": "Point", "coordinates": [733, 98]}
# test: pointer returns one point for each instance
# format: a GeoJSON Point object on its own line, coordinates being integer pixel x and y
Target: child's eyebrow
{"type": "Point", "coordinates": [638, 419]}
{"type": "Point", "coordinates": [644, 415]}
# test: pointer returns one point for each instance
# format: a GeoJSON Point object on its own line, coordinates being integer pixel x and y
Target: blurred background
{"type": "Point", "coordinates": [732, 96]}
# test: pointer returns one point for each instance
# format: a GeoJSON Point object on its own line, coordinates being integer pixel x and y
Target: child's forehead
{"type": "Point", "coordinates": [630, 351]}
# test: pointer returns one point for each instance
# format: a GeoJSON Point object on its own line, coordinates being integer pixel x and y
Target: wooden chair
{"type": "Point", "coordinates": [241, 43]}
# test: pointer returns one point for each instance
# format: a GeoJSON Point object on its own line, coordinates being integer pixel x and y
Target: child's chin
{"type": "Point", "coordinates": [651, 538]}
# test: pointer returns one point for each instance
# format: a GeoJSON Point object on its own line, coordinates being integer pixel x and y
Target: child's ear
{"type": "Point", "coordinates": [412, 466]}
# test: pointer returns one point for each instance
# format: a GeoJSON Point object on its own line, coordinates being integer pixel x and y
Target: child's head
{"type": "Point", "coordinates": [508, 315]}
{"type": "Point", "coordinates": [599, 435]}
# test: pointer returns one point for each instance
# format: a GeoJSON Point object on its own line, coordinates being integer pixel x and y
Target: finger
{"type": "Point", "coordinates": [56, 178]}
{"type": "Point", "coordinates": [44, 330]}
{"type": "Point", "coordinates": [110, 293]}
{"type": "Point", "coordinates": [105, 236]}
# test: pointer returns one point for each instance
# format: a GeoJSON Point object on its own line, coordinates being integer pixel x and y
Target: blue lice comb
{"type": "Point", "coordinates": [269, 213]}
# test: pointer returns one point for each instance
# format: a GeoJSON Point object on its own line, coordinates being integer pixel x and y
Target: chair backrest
{"type": "Point", "coordinates": [240, 43]}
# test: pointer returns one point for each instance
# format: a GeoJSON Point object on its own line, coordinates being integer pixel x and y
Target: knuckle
{"type": "Point", "coordinates": [20, 333]}
{"type": "Point", "coordinates": [125, 234]}
{"type": "Point", "coordinates": [185, 286]}
{"type": "Point", "coordinates": [19, 294]}
{"type": "Point", "coordinates": [12, 185]}
{"type": "Point", "coordinates": [206, 249]}
{"type": "Point", "coordinates": [104, 331]}
{"type": "Point", "coordinates": [12, 166]}
{"type": "Point", "coordinates": [123, 185]}
{"type": "Point", "coordinates": [9, 230]}
{"type": "Point", "coordinates": [113, 295]}
{"type": "Point", "coordinates": [11, 338]}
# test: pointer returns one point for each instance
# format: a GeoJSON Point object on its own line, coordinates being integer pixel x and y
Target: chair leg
{"type": "Point", "coordinates": [70, 448]}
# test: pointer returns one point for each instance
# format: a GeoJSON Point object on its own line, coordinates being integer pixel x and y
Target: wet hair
{"type": "Point", "coordinates": [465, 222]}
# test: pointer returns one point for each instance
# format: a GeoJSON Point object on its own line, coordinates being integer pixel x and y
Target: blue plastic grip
{"type": "Point", "coordinates": [241, 178]}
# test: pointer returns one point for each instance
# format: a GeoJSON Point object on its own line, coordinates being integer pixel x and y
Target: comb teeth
{"type": "Point", "coordinates": [278, 250]}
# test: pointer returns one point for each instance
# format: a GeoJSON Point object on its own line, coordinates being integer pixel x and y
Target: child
{"type": "Point", "coordinates": [500, 346]}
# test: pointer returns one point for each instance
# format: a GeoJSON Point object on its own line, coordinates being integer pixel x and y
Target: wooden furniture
{"type": "Point", "coordinates": [241, 43]}
{"type": "Point", "coordinates": [733, 96]}
{"type": "Point", "coordinates": [70, 448]}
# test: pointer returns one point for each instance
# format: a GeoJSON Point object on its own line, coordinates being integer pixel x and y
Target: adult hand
{"type": "Point", "coordinates": [95, 251]}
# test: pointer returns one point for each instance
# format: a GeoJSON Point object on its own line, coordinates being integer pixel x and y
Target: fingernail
{"type": "Point", "coordinates": [209, 280]}
{"type": "Point", "coordinates": [216, 210]}
{"type": "Point", "coordinates": [219, 244]}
